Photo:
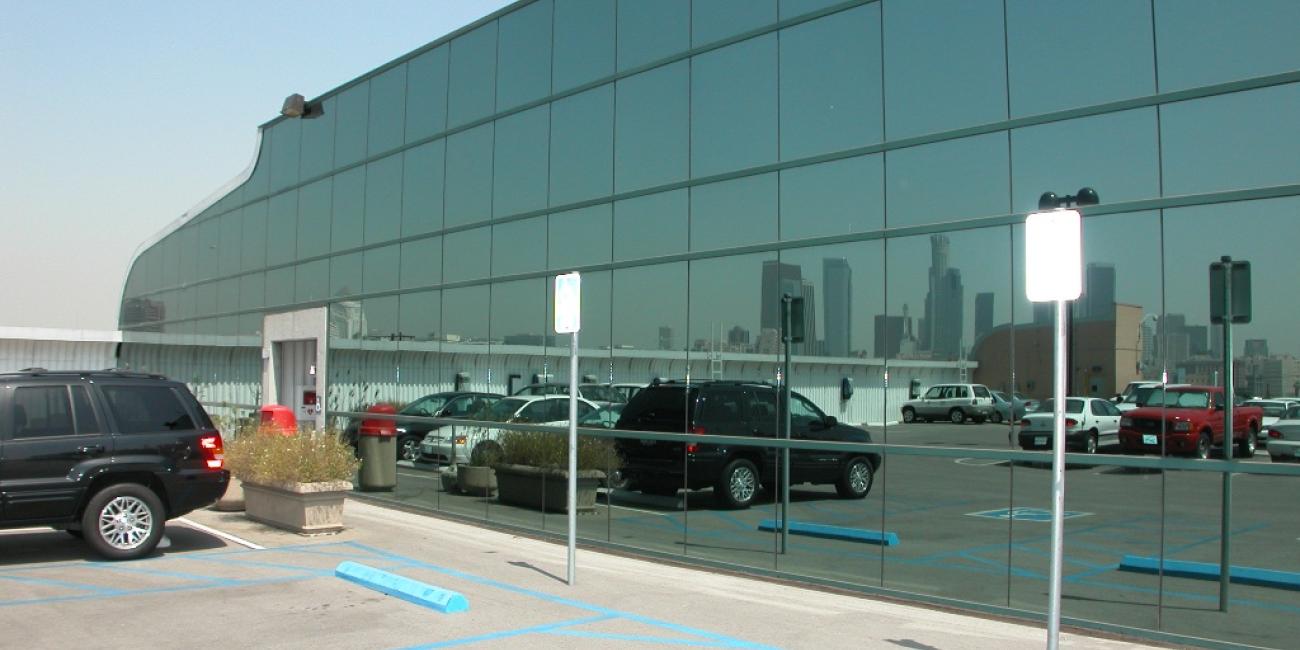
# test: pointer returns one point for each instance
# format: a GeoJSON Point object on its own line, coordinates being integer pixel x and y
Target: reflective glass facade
{"type": "Point", "coordinates": [696, 160]}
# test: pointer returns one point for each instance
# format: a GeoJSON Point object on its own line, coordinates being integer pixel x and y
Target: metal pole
{"type": "Point", "coordinates": [1060, 363]}
{"type": "Point", "coordinates": [1225, 546]}
{"type": "Point", "coordinates": [785, 453]}
{"type": "Point", "coordinates": [573, 452]}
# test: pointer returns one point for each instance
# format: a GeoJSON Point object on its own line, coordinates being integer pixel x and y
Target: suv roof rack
{"type": "Point", "coordinates": [115, 372]}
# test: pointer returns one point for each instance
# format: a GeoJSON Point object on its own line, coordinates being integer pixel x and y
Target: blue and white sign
{"type": "Point", "coordinates": [1025, 514]}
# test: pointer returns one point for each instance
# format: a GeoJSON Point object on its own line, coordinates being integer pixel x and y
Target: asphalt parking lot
{"type": "Point", "coordinates": [276, 590]}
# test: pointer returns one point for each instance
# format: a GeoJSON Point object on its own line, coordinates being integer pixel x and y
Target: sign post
{"type": "Point", "coordinates": [792, 331]}
{"type": "Point", "coordinates": [568, 320]}
{"type": "Point", "coordinates": [1054, 273]}
{"type": "Point", "coordinates": [1229, 303]}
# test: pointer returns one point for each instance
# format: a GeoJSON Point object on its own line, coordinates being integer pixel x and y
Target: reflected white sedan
{"type": "Point", "coordinates": [1089, 423]}
{"type": "Point", "coordinates": [1284, 437]}
{"type": "Point", "coordinates": [456, 443]}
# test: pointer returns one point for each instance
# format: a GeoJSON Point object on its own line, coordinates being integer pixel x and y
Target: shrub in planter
{"type": "Point", "coordinates": [534, 469]}
{"type": "Point", "coordinates": [298, 481]}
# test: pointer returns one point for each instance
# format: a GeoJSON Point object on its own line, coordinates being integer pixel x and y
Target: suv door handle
{"type": "Point", "coordinates": [90, 450]}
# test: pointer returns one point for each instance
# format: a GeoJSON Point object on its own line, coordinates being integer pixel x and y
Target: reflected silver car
{"type": "Point", "coordinates": [1284, 437]}
{"type": "Point", "coordinates": [1090, 422]}
{"type": "Point", "coordinates": [955, 403]}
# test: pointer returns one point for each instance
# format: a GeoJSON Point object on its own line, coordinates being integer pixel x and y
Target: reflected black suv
{"type": "Point", "coordinates": [735, 472]}
{"type": "Point", "coordinates": [108, 456]}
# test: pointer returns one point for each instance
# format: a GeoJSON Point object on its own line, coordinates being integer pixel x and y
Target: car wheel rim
{"type": "Point", "coordinates": [1092, 445]}
{"type": "Point", "coordinates": [410, 450]}
{"type": "Point", "coordinates": [125, 523]}
{"type": "Point", "coordinates": [742, 484]}
{"type": "Point", "coordinates": [1203, 449]}
{"type": "Point", "coordinates": [859, 477]}
{"type": "Point", "coordinates": [956, 417]}
{"type": "Point", "coordinates": [908, 416]}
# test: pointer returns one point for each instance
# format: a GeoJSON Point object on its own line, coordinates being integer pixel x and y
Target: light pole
{"type": "Point", "coordinates": [1054, 273]}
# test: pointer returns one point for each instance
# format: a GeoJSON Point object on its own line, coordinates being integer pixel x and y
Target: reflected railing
{"type": "Point", "coordinates": [961, 527]}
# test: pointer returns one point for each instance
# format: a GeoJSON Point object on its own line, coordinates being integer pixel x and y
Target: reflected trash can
{"type": "Point", "coordinates": [377, 442]}
{"type": "Point", "coordinates": [279, 418]}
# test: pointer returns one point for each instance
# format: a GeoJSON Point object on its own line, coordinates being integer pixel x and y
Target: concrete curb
{"type": "Point", "coordinates": [1206, 571]}
{"type": "Point", "coordinates": [833, 532]}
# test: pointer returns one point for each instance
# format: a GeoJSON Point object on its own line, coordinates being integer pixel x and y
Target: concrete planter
{"type": "Point", "coordinates": [304, 508]}
{"type": "Point", "coordinates": [546, 489]}
{"type": "Point", "coordinates": [233, 499]}
{"type": "Point", "coordinates": [476, 480]}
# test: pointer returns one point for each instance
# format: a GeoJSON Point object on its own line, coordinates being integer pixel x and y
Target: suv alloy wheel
{"type": "Point", "coordinates": [123, 521]}
{"type": "Point", "coordinates": [737, 484]}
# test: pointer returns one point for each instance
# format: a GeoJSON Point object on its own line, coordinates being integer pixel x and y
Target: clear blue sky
{"type": "Point", "coordinates": [118, 117]}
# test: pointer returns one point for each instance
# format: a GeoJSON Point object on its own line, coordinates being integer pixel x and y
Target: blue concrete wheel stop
{"type": "Point", "coordinates": [1208, 571]}
{"type": "Point", "coordinates": [443, 600]}
{"type": "Point", "coordinates": [826, 531]}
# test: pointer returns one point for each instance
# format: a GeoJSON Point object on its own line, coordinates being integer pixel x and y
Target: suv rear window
{"type": "Point", "coordinates": [981, 391]}
{"type": "Point", "coordinates": [146, 409]}
{"type": "Point", "coordinates": [660, 407]}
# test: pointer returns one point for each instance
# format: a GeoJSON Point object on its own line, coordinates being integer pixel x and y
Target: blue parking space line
{"type": "Point", "coordinates": [512, 633]}
{"type": "Point", "coordinates": [1171, 550]}
{"type": "Point", "coordinates": [63, 584]}
{"type": "Point", "coordinates": [137, 592]}
{"type": "Point", "coordinates": [1002, 566]}
{"type": "Point", "coordinates": [1084, 575]}
{"type": "Point", "coordinates": [193, 577]}
{"type": "Point", "coordinates": [314, 572]}
{"type": "Point", "coordinates": [1067, 560]}
{"type": "Point", "coordinates": [731, 519]}
{"type": "Point", "coordinates": [638, 638]}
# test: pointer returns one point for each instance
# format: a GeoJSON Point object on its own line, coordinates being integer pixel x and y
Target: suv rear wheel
{"type": "Point", "coordinates": [956, 416]}
{"type": "Point", "coordinates": [737, 485]}
{"type": "Point", "coordinates": [855, 479]}
{"type": "Point", "coordinates": [909, 414]}
{"type": "Point", "coordinates": [123, 521]}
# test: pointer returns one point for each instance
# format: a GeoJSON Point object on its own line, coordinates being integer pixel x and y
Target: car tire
{"type": "Point", "coordinates": [855, 479]}
{"type": "Point", "coordinates": [1246, 448]}
{"type": "Point", "coordinates": [996, 418]}
{"type": "Point", "coordinates": [1090, 445]}
{"type": "Point", "coordinates": [956, 416]}
{"type": "Point", "coordinates": [737, 484]}
{"type": "Point", "coordinates": [123, 521]}
{"type": "Point", "coordinates": [408, 448]}
{"type": "Point", "coordinates": [1203, 444]}
{"type": "Point", "coordinates": [909, 415]}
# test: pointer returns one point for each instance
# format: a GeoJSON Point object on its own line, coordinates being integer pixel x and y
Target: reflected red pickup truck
{"type": "Point", "coordinates": [1189, 420]}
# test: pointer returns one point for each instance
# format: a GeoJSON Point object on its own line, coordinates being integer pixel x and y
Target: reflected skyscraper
{"type": "Point", "coordinates": [779, 279]}
{"type": "Point", "coordinates": [942, 324]}
{"type": "Point", "coordinates": [837, 281]}
{"type": "Point", "coordinates": [983, 314]}
{"type": "Point", "coordinates": [1098, 300]}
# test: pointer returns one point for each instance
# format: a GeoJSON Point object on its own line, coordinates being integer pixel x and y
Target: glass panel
{"type": "Point", "coordinates": [383, 199]}
{"type": "Point", "coordinates": [519, 313]}
{"type": "Point", "coordinates": [469, 176]}
{"type": "Point", "coordinates": [959, 90]}
{"type": "Point", "coordinates": [582, 146]}
{"type": "Point", "coordinates": [381, 268]}
{"type": "Point", "coordinates": [286, 139]}
{"type": "Point", "coordinates": [465, 316]}
{"type": "Point", "coordinates": [209, 240]}
{"type": "Point", "coordinates": [228, 251]}
{"type": "Point", "coordinates": [421, 316]}
{"type": "Point", "coordinates": [473, 75]}
{"type": "Point", "coordinates": [253, 253]}
{"type": "Point", "coordinates": [467, 255]}
{"type": "Point", "coordinates": [251, 325]}
{"type": "Point", "coordinates": [844, 298]}
{"type": "Point", "coordinates": [975, 181]}
{"type": "Point", "coordinates": [733, 307]}
{"type": "Point", "coordinates": [345, 275]}
{"type": "Point", "coordinates": [279, 287]}
{"type": "Point", "coordinates": [228, 295]}
{"type": "Point", "coordinates": [734, 107]}
{"type": "Point", "coordinates": [649, 30]}
{"type": "Point", "coordinates": [1038, 166]}
{"type": "Point", "coordinates": [387, 110]}
{"type": "Point", "coordinates": [1117, 67]}
{"type": "Point", "coordinates": [518, 246]}
{"type": "Point", "coordinates": [524, 55]}
{"type": "Point", "coordinates": [578, 238]}
{"type": "Point", "coordinates": [831, 84]}
{"type": "Point", "coordinates": [312, 281]}
{"type": "Point", "coordinates": [421, 262]}
{"type": "Point", "coordinates": [256, 186]}
{"type": "Point", "coordinates": [318, 141]}
{"type": "Point", "coordinates": [314, 216]}
{"type": "Point", "coordinates": [282, 228]}
{"type": "Point", "coordinates": [653, 136]}
{"type": "Point", "coordinates": [205, 299]}
{"type": "Point", "coordinates": [381, 324]}
{"type": "Point", "coordinates": [426, 94]}
{"type": "Point", "coordinates": [351, 123]}
{"type": "Point", "coordinates": [422, 175]}
{"type": "Point", "coordinates": [189, 245]}
{"type": "Point", "coordinates": [713, 20]}
{"type": "Point", "coordinates": [734, 213]}
{"type": "Point", "coordinates": [1203, 43]}
{"type": "Point", "coordinates": [652, 225]}
{"type": "Point", "coordinates": [584, 42]}
{"type": "Point", "coordinates": [792, 8]}
{"type": "Point", "coordinates": [833, 198]}
{"type": "Point", "coordinates": [349, 208]}
{"type": "Point", "coordinates": [252, 291]}
{"type": "Point", "coordinates": [659, 291]}
{"type": "Point", "coordinates": [1232, 141]}
{"type": "Point", "coordinates": [594, 339]}
{"type": "Point", "coordinates": [519, 166]}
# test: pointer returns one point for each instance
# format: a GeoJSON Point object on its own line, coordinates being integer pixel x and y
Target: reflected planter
{"type": "Point", "coordinates": [477, 480]}
{"type": "Point", "coordinates": [303, 508]}
{"type": "Point", "coordinates": [543, 488]}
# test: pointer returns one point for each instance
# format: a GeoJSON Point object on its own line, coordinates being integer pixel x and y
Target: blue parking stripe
{"type": "Point", "coordinates": [512, 633]}
{"type": "Point", "coordinates": [639, 638]}
{"type": "Point", "coordinates": [63, 584]}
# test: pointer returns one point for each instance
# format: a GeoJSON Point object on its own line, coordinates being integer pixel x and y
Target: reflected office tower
{"type": "Point", "coordinates": [809, 345]}
{"type": "Point", "coordinates": [665, 337]}
{"type": "Point", "coordinates": [1256, 348]}
{"type": "Point", "coordinates": [1172, 332]}
{"type": "Point", "coordinates": [983, 314]}
{"type": "Point", "coordinates": [1099, 292]}
{"type": "Point", "coordinates": [942, 326]}
{"type": "Point", "coordinates": [778, 280]}
{"type": "Point", "coordinates": [738, 339]}
{"type": "Point", "coordinates": [1147, 330]}
{"type": "Point", "coordinates": [837, 280]}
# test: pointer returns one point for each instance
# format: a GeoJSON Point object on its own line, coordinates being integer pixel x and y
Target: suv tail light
{"type": "Point", "coordinates": [1024, 422]}
{"type": "Point", "coordinates": [1274, 433]}
{"type": "Point", "coordinates": [214, 454]}
{"type": "Point", "coordinates": [1070, 422]}
{"type": "Point", "coordinates": [692, 447]}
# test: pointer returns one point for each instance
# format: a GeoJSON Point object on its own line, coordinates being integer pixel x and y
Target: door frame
{"type": "Point", "coordinates": [301, 325]}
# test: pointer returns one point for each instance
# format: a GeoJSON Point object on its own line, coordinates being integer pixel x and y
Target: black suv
{"type": "Point", "coordinates": [735, 473]}
{"type": "Point", "coordinates": [108, 456]}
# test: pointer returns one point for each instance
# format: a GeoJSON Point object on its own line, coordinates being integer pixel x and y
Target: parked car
{"type": "Point", "coordinates": [459, 405]}
{"type": "Point", "coordinates": [604, 417]}
{"type": "Point", "coordinates": [107, 456]}
{"type": "Point", "coordinates": [1284, 437]}
{"type": "Point", "coordinates": [627, 389]}
{"type": "Point", "coordinates": [735, 472]}
{"type": "Point", "coordinates": [956, 403]}
{"type": "Point", "coordinates": [1273, 411]}
{"type": "Point", "coordinates": [1011, 407]}
{"type": "Point", "coordinates": [1188, 420]}
{"type": "Point", "coordinates": [453, 445]}
{"type": "Point", "coordinates": [1138, 393]}
{"type": "Point", "coordinates": [599, 393]}
{"type": "Point", "coordinates": [1090, 422]}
